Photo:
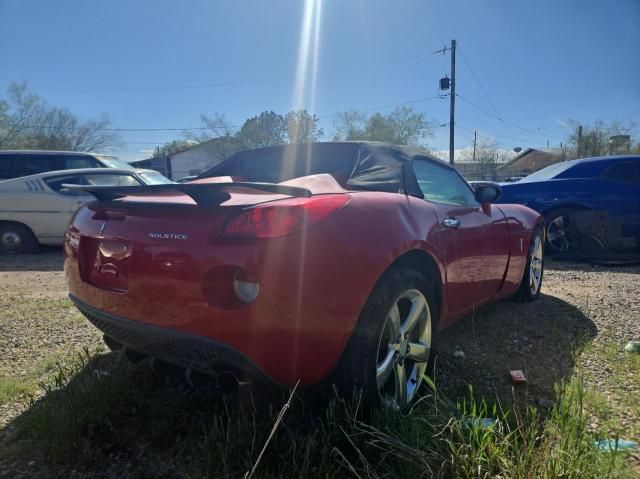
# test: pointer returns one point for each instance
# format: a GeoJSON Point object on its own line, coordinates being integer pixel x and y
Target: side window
{"type": "Point", "coordinates": [34, 164]}
{"type": "Point", "coordinates": [56, 182]}
{"type": "Point", "coordinates": [6, 167]}
{"type": "Point", "coordinates": [73, 162]}
{"type": "Point", "coordinates": [442, 185]}
{"type": "Point", "coordinates": [628, 172]}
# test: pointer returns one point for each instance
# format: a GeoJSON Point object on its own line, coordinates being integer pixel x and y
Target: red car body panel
{"type": "Point", "coordinates": [313, 283]}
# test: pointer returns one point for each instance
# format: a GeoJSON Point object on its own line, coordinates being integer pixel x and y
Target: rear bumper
{"type": "Point", "coordinates": [182, 349]}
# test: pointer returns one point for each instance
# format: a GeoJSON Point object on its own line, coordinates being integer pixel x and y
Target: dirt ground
{"type": "Point", "coordinates": [591, 309]}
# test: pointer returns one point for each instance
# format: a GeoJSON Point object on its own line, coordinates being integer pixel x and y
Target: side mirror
{"type": "Point", "coordinates": [486, 192]}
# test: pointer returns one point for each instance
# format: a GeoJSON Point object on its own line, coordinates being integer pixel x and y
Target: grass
{"type": "Point", "coordinates": [12, 389]}
{"type": "Point", "coordinates": [614, 398]}
{"type": "Point", "coordinates": [101, 410]}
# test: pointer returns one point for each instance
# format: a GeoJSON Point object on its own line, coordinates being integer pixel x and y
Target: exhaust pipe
{"type": "Point", "coordinates": [226, 381]}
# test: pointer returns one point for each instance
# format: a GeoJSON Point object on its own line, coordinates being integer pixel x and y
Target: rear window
{"type": "Point", "coordinates": [115, 163]}
{"type": "Point", "coordinates": [629, 172]}
{"type": "Point", "coordinates": [154, 178]}
{"type": "Point", "coordinates": [549, 172]}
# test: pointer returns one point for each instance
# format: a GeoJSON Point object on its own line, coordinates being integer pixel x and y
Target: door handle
{"type": "Point", "coordinates": [451, 223]}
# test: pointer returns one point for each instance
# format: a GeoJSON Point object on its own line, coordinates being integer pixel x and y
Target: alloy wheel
{"type": "Point", "coordinates": [535, 265]}
{"type": "Point", "coordinates": [404, 348]}
{"type": "Point", "coordinates": [558, 235]}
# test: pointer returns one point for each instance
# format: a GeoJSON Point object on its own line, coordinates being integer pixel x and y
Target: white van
{"type": "Point", "coordinates": [17, 163]}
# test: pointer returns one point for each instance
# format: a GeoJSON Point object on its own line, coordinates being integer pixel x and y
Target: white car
{"type": "Point", "coordinates": [36, 209]}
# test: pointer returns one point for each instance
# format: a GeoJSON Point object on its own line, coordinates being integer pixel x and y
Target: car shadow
{"type": "Point", "coordinates": [588, 266]}
{"type": "Point", "coordinates": [124, 405]}
{"type": "Point", "coordinates": [49, 259]}
{"type": "Point", "coordinates": [540, 338]}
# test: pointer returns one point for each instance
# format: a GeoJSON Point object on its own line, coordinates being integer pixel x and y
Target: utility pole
{"type": "Point", "coordinates": [475, 138]}
{"type": "Point", "coordinates": [579, 141]}
{"type": "Point", "coordinates": [445, 84]}
{"type": "Point", "coordinates": [452, 115]}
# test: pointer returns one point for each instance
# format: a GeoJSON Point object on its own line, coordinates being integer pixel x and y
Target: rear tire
{"type": "Point", "coordinates": [391, 347]}
{"type": "Point", "coordinates": [17, 239]}
{"type": "Point", "coordinates": [534, 269]}
{"type": "Point", "coordinates": [560, 232]}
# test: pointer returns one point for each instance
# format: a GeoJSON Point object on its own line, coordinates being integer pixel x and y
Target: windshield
{"type": "Point", "coordinates": [154, 178]}
{"type": "Point", "coordinates": [549, 172]}
{"type": "Point", "coordinates": [115, 163]}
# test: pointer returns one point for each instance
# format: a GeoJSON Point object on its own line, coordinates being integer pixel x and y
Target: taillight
{"type": "Point", "coordinates": [283, 217]}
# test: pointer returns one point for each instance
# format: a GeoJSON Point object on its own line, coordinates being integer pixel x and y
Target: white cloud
{"type": "Point", "coordinates": [559, 121]}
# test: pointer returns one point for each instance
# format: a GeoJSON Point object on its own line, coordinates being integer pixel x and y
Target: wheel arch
{"type": "Point", "coordinates": [32, 243]}
{"type": "Point", "coordinates": [423, 262]}
{"type": "Point", "coordinates": [563, 206]}
{"type": "Point", "coordinates": [19, 223]}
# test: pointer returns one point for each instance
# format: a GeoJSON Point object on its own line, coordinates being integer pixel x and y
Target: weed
{"type": "Point", "coordinates": [124, 412]}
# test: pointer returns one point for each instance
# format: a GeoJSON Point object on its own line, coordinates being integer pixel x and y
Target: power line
{"type": "Point", "coordinates": [486, 95]}
{"type": "Point", "coordinates": [539, 133]}
{"type": "Point", "coordinates": [228, 83]}
{"type": "Point", "coordinates": [381, 107]}
{"type": "Point", "coordinates": [490, 134]}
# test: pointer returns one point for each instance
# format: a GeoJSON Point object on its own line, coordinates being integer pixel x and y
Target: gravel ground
{"type": "Point", "coordinates": [591, 308]}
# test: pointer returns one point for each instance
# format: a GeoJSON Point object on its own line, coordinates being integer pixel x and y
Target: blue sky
{"type": "Point", "coordinates": [159, 64]}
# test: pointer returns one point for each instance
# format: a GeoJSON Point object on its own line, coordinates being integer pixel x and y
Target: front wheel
{"type": "Point", "coordinates": [534, 268]}
{"type": "Point", "coordinates": [390, 348]}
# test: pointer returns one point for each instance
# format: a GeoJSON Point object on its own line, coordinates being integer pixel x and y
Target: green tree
{"type": "Point", "coordinates": [402, 126]}
{"type": "Point", "coordinates": [302, 127]}
{"type": "Point", "coordinates": [266, 129]}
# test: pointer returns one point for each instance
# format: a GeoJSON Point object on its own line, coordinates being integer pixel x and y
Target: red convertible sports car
{"type": "Point", "coordinates": [324, 263]}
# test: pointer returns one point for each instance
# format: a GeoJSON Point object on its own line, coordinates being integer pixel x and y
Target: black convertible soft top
{"type": "Point", "coordinates": [364, 165]}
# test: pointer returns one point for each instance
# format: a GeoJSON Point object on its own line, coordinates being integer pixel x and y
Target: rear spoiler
{"type": "Point", "coordinates": [204, 194]}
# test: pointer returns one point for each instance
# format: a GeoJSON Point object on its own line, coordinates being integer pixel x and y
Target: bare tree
{"type": "Point", "coordinates": [487, 156]}
{"type": "Point", "coordinates": [59, 129]}
{"type": "Point", "coordinates": [217, 134]}
{"type": "Point", "coordinates": [17, 113]}
{"type": "Point", "coordinates": [213, 126]}
{"type": "Point", "coordinates": [28, 121]}
{"type": "Point", "coordinates": [595, 138]}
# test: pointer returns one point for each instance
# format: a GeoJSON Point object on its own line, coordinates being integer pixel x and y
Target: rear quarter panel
{"type": "Point", "coordinates": [31, 202]}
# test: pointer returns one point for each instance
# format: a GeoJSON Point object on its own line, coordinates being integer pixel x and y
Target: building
{"type": "Point", "coordinates": [158, 164]}
{"type": "Point", "coordinates": [620, 145]}
{"type": "Point", "coordinates": [196, 159]}
{"type": "Point", "coordinates": [471, 171]}
{"type": "Point", "coordinates": [527, 162]}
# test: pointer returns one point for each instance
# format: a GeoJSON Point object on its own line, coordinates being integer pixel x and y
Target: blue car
{"type": "Point", "coordinates": [590, 205]}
